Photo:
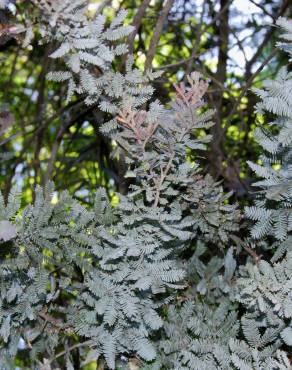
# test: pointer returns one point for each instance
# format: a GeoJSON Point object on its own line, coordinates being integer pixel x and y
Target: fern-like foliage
{"type": "Point", "coordinates": [272, 211]}
{"type": "Point", "coordinates": [135, 264]}
{"type": "Point", "coordinates": [88, 46]}
{"type": "Point", "coordinates": [211, 277]}
{"type": "Point", "coordinates": [116, 266]}
{"type": "Point", "coordinates": [137, 255]}
{"type": "Point", "coordinates": [198, 337]}
{"type": "Point", "coordinates": [156, 141]}
{"type": "Point", "coordinates": [105, 282]}
{"type": "Point", "coordinates": [37, 246]}
{"type": "Point", "coordinates": [265, 288]}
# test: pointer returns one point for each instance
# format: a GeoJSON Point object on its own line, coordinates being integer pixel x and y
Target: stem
{"type": "Point", "coordinates": [70, 349]}
{"type": "Point", "coordinates": [150, 135]}
{"type": "Point", "coordinates": [162, 178]}
{"type": "Point", "coordinates": [249, 250]}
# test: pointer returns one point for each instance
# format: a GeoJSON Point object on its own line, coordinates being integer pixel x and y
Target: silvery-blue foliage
{"type": "Point", "coordinates": [265, 288]}
{"type": "Point", "coordinates": [113, 282]}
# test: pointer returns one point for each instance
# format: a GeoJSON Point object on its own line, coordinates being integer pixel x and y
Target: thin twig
{"type": "Point", "coordinates": [70, 349]}
{"type": "Point", "coordinates": [265, 41]}
{"type": "Point", "coordinates": [202, 29]}
{"type": "Point", "coordinates": [156, 34]}
{"type": "Point", "coordinates": [104, 4]}
{"type": "Point", "coordinates": [136, 24]}
{"type": "Point", "coordinates": [263, 9]}
{"type": "Point", "coordinates": [179, 63]}
{"type": "Point", "coordinates": [163, 175]}
{"type": "Point", "coordinates": [249, 83]}
{"type": "Point", "coordinates": [249, 250]}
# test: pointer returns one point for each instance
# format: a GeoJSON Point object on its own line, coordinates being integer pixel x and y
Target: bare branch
{"type": "Point", "coordinates": [157, 33]}
{"type": "Point", "coordinates": [136, 24]}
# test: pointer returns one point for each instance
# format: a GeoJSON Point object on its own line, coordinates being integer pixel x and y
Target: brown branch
{"type": "Point", "coordinates": [54, 152]}
{"type": "Point", "coordinates": [249, 250]}
{"type": "Point", "coordinates": [181, 62]}
{"type": "Point", "coordinates": [136, 24]}
{"type": "Point", "coordinates": [156, 34]}
{"type": "Point", "coordinates": [40, 111]}
{"type": "Point", "coordinates": [216, 152]}
{"type": "Point", "coordinates": [58, 139]}
{"type": "Point", "coordinates": [266, 39]}
{"type": "Point", "coordinates": [248, 85]}
{"type": "Point", "coordinates": [57, 323]}
{"type": "Point", "coordinates": [202, 29]}
{"type": "Point", "coordinates": [70, 349]}
{"type": "Point", "coordinates": [197, 41]}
